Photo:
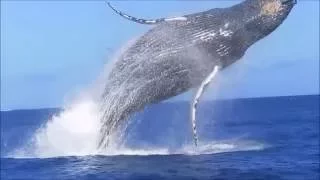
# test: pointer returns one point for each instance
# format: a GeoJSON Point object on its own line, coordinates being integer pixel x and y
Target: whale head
{"type": "Point", "coordinates": [274, 12]}
{"type": "Point", "coordinates": [262, 17]}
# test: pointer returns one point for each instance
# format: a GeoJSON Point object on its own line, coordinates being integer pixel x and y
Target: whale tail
{"type": "Point", "coordinates": [146, 21]}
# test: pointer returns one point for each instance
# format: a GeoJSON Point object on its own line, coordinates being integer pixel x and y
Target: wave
{"type": "Point", "coordinates": [211, 148]}
{"type": "Point", "coordinates": [75, 131]}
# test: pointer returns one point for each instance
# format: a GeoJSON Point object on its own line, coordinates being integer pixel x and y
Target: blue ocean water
{"type": "Point", "coordinates": [259, 138]}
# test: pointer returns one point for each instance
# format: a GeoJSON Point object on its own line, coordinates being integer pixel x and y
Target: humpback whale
{"type": "Point", "coordinates": [181, 53]}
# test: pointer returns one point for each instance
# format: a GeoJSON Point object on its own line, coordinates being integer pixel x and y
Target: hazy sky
{"type": "Point", "coordinates": [51, 50]}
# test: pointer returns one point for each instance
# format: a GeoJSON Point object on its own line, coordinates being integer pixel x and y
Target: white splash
{"type": "Point", "coordinates": [72, 132]}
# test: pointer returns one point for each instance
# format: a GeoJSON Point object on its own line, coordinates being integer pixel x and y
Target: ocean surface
{"type": "Point", "coordinates": [259, 138]}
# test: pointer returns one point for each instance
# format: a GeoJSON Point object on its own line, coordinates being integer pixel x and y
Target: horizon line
{"type": "Point", "coordinates": [167, 101]}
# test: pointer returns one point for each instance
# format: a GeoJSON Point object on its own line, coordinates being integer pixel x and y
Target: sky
{"type": "Point", "coordinates": [53, 50]}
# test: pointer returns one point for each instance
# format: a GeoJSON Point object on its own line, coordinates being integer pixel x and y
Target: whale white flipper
{"type": "Point", "coordinates": [195, 101]}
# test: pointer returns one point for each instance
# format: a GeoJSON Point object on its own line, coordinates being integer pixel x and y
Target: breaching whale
{"type": "Point", "coordinates": [181, 53]}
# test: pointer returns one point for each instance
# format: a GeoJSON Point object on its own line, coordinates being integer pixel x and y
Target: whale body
{"type": "Point", "coordinates": [177, 54]}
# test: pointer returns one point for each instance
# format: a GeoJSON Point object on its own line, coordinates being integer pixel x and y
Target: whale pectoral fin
{"type": "Point", "coordinates": [146, 21]}
{"type": "Point", "coordinates": [196, 98]}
